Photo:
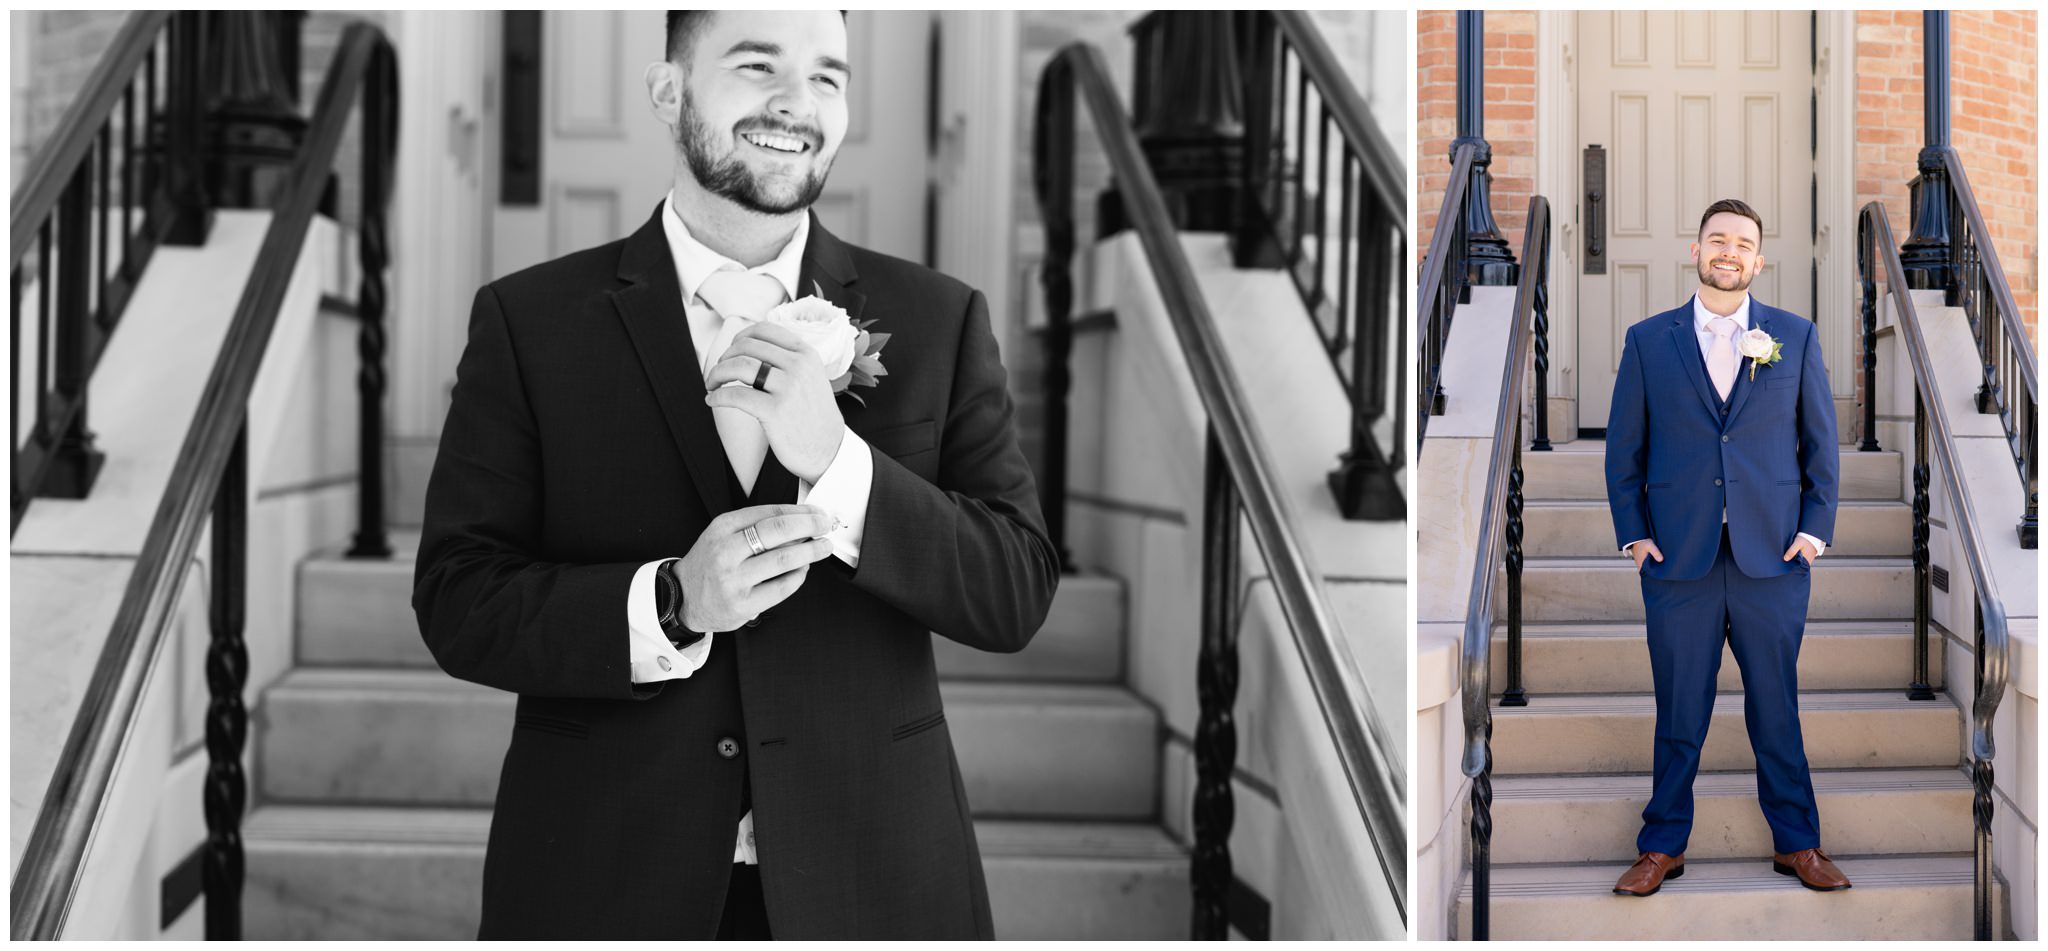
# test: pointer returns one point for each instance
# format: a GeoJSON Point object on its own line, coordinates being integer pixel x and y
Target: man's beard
{"type": "Point", "coordinates": [1708, 274]}
{"type": "Point", "coordinates": [730, 178]}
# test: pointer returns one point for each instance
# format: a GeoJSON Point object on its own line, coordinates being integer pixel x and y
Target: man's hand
{"type": "Point", "coordinates": [1643, 551]}
{"type": "Point", "coordinates": [1802, 545]}
{"type": "Point", "coordinates": [795, 404]}
{"type": "Point", "coordinates": [725, 584]}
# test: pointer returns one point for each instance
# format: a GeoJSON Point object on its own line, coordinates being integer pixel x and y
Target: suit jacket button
{"type": "Point", "coordinates": [728, 747]}
{"type": "Point", "coordinates": [1717, 482]}
{"type": "Point", "coordinates": [753, 622]}
{"type": "Point", "coordinates": [1724, 439]}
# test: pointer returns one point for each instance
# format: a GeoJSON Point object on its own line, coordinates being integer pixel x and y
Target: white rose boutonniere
{"type": "Point", "coordinates": [1761, 348]}
{"type": "Point", "coordinates": [822, 325]}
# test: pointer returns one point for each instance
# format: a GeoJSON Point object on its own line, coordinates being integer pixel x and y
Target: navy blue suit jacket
{"type": "Point", "coordinates": [1676, 453]}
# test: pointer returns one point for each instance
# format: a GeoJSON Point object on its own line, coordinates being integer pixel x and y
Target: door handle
{"type": "Point", "coordinates": [1594, 165]}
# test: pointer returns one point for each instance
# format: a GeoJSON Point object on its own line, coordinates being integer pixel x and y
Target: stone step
{"type": "Point", "coordinates": [1595, 733]}
{"type": "Point", "coordinates": [1586, 530]}
{"type": "Point", "coordinates": [331, 873]}
{"type": "Point", "coordinates": [1862, 812]}
{"type": "Point", "coordinates": [1582, 474]}
{"type": "Point", "coordinates": [1614, 657]}
{"type": "Point", "coordinates": [357, 737]}
{"type": "Point", "coordinates": [1924, 897]}
{"type": "Point", "coordinates": [359, 614]}
{"type": "Point", "coordinates": [1610, 589]}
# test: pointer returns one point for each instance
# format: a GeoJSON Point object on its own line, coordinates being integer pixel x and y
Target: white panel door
{"type": "Point", "coordinates": [606, 160]}
{"type": "Point", "coordinates": [1691, 107]}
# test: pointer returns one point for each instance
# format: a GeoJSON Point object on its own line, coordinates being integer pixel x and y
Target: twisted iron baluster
{"type": "Point", "coordinates": [1981, 805]}
{"type": "Point", "coordinates": [1216, 732]}
{"type": "Point", "coordinates": [1482, 845]}
{"type": "Point", "coordinates": [1542, 367]}
{"type": "Point", "coordinates": [380, 140]}
{"type": "Point", "coordinates": [1922, 575]}
{"type": "Point", "coordinates": [1514, 695]}
{"type": "Point", "coordinates": [1866, 266]}
{"type": "Point", "coordinates": [227, 721]}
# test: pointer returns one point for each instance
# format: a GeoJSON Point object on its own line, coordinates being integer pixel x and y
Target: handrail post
{"type": "Point", "coordinates": [1365, 482]}
{"type": "Point", "coordinates": [1981, 803]}
{"type": "Point", "coordinates": [1188, 115]}
{"type": "Point", "coordinates": [1482, 844]}
{"type": "Point", "coordinates": [1514, 696]}
{"type": "Point", "coordinates": [1216, 732]}
{"type": "Point", "coordinates": [1926, 254]}
{"type": "Point", "coordinates": [1866, 270]}
{"type": "Point", "coordinates": [227, 720]}
{"type": "Point", "coordinates": [1923, 594]}
{"type": "Point", "coordinates": [380, 140]}
{"type": "Point", "coordinates": [191, 212]}
{"type": "Point", "coordinates": [1488, 260]}
{"type": "Point", "coordinates": [1053, 180]}
{"type": "Point", "coordinates": [75, 461]}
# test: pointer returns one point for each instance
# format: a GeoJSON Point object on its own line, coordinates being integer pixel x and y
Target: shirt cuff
{"type": "Point", "coordinates": [651, 657]}
{"type": "Point", "coordinates": [842, 491]}
{"type": "Point", "coordinates": [1625, 548]}
{"type": "Point", "coordinates": [1819, 547]}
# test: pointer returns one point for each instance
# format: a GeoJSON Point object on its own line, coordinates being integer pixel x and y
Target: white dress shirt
{"type": "Point", "coordinates": [842, 490]}
{"type": "Point", "coordinates": [1701, 318]}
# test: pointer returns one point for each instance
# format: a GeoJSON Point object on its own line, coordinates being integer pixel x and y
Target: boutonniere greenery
{"type": "Point", "coordinates": [1762, 349]}
{"type": "Point", "coordinates": [866, 369]}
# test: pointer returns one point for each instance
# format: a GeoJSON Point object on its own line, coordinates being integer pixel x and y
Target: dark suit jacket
{"type": "Point", "coordinates": [578, 447]}
{"type": "Point", "coordinates": [1676, 453]}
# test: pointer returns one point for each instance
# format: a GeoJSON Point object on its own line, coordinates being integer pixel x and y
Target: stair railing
{"type": "Point", "coordinates": [1442, 288]}
{"type": "Point", "coordinates": [1500, 546]}
{"type": "Point", "coordinates": [1877, 254]}
{"type": "Point", "coordinates": [1238, 478]}
{"type": "Point", "coordinates": [1342, 241]}
{"type": "Point", "coordinates": [210, 479]}
{"type": "Point", "coordinates": [129, 141]}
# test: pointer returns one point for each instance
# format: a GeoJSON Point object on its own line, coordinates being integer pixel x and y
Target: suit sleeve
{"type": "Point", "coordinates": [1628, 449]}
{"type": "Point", "coordinates": [490, 610]}
{"type": "Point", "coordinates": [1820, 459]}
{"type": "Point", "coordinates": [969, 556]}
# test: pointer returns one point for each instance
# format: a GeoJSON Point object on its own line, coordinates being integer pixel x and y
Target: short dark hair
{"type": "Point", "coordinates": [682, 31]}
{"type": "Point", "coordinates": [1734, 206]}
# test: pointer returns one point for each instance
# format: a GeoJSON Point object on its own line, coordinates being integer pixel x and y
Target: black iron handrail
{"type": "Point", "coordinates": [1341, 242]}
{"type": "Point", "coordinates": [1500, 544]}
{"type": "Point", "coordinates": [1877, 253]}
{"type": "Point", "coordinates": [1978, 285]}
{"type": "Point", "coordinates": [209, 479]}
{"type": "Point", "coordinates": [1442, 286]}
{"type": "Point", "coordinates": [1239, 478]}
{"type": "Point", "coordinates": [63, 219]}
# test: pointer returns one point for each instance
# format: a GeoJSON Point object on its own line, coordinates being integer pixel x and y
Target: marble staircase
{"type": "Point", "coordinates": [1572, 769]}
{"type": "Point", "coordinates": [352, 837]}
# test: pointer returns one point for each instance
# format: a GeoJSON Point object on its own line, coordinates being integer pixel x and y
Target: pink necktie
{"type": "Point", "coordinates": [741, 297]}
{"type": "Point", "coordinates": [1721, 357]}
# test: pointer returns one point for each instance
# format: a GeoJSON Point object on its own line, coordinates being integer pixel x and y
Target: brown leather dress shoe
{"type": "Point", "coordinates": [1814, 868]}
{"type": "Point", "coordinates": [1649, 873]}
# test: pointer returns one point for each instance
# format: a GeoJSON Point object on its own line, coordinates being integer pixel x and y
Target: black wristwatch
{"type": "Point", "coordinates": [668, 606]}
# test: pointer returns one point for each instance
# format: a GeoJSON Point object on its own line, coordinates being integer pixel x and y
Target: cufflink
{"type": "Point", "coordinates": [663, 663]}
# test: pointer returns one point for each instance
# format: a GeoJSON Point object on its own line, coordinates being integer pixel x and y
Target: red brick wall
{"type": "Point", "coordinates": [1993, 125]}
{"type": "Point", "coordinates": [1510, 115]}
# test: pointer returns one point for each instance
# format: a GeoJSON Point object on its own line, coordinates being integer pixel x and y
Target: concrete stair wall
{"type": "Point", "coordinates": [1572, 769]}
{"type": "Point", "coordinates": [353, 839]}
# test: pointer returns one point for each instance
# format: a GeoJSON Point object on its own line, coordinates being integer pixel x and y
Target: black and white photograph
{"type": "Point", "coordinates": [726, 475]}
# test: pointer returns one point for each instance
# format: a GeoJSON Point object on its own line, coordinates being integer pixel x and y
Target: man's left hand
{"type": "Point", "coordinates": [1801, 545]}
{"type": "Point", "coordinates": [795, 403]}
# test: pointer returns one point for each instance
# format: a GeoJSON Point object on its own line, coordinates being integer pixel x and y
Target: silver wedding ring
{"type": "Point", "coordinates": [754, 540]}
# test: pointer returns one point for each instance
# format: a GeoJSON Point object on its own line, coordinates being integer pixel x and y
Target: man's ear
{"type": "Point", "coordinates": [665, 91]}
{"type": "Point", "coordinates": [1695, 253]}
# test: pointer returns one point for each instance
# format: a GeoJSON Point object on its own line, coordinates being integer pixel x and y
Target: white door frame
{"type": "Point", "coordinates": [1558, 178]}
{"type": "Point", "coordinates": [975, 165]}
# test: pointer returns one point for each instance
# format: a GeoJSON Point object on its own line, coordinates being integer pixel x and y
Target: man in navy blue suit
{"type": "Point", "coordinates": [1721, 475]}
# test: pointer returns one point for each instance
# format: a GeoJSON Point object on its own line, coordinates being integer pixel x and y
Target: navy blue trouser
{"type": "Point", "coordinates": [1763, 621]}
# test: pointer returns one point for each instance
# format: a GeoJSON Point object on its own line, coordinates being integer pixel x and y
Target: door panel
{"type": "Point", "coordinates": [1692, 107]}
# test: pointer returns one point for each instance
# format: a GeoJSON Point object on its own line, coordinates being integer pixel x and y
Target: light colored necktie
{"type": "Point", "coordinates": [1722, 359]}
{"type": "Point", "coordinates": [742, 298]}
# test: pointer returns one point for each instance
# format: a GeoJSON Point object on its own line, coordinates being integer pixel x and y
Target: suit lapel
{"type": "Point", "coordinates": [1759, 319]}
{"type": "Point", "coordinates": [1687, 340]}
{"type": "Point", "coordinates": [651, 307]}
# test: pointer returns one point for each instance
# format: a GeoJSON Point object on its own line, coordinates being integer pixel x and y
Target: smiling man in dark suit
{"type": "Point", "coordinates": [708, 551]}
{"type": "Point", "coordinates": [1721, 477]}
